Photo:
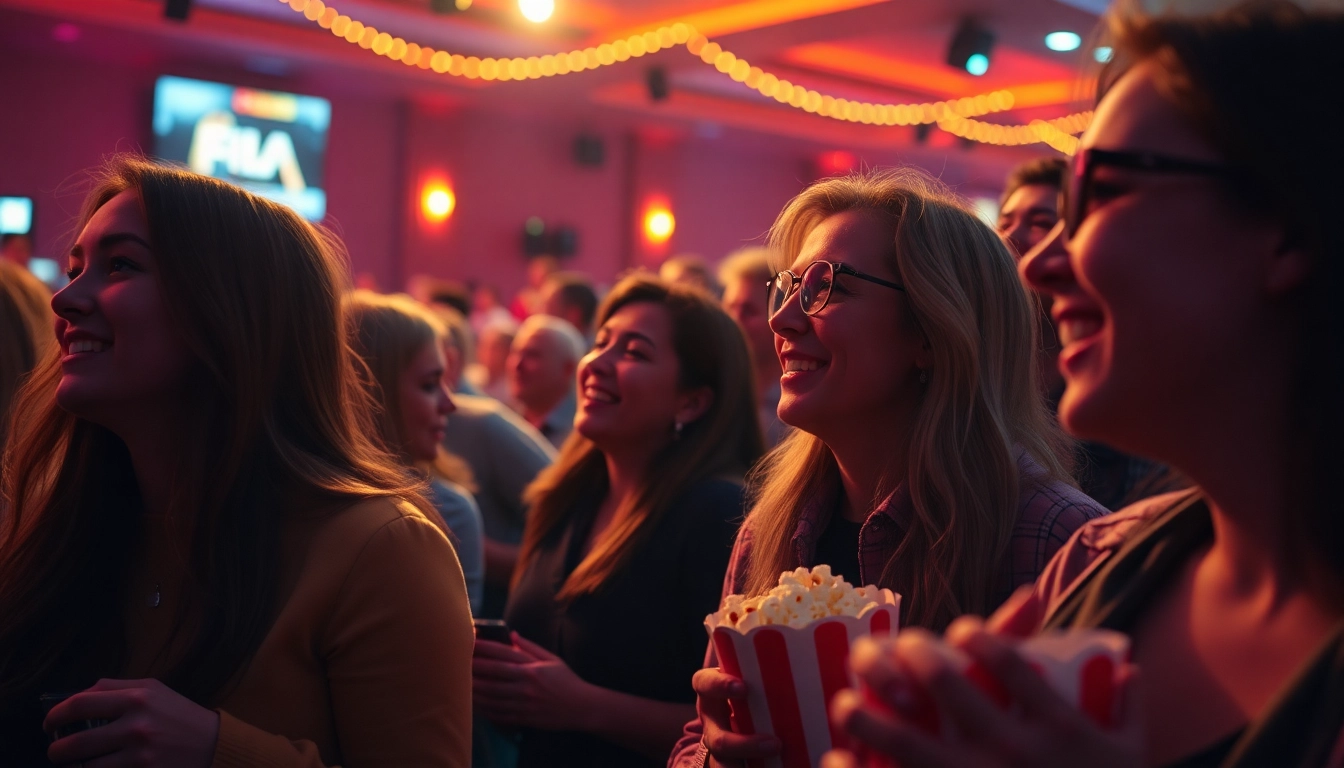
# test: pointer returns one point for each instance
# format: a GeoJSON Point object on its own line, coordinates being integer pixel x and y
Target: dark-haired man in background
{"type": "Point", "coordinates": [1028, 210]}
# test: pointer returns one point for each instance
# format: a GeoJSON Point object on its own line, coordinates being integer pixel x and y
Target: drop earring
{"type": "Point", "coordinates": [923, 376]}
{"type": "Point", "coordinates": [676, 430]}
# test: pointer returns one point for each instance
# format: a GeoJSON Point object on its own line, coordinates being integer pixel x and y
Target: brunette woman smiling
{"type": "Point", "coordinates": [628, 536]}
{"type": "Point", "coordinates": [201, 548]}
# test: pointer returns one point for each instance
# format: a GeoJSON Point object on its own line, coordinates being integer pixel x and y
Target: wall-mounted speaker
{"type": "Point", "coordinates": [656, 80]}
{"type": "Point", "coordinates": [589, 150]}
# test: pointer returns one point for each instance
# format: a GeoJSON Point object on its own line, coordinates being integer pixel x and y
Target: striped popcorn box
{"type": "Point", "coordinates": [1080, 665]}
{"type": "Point", "coordinates": [792, 672]}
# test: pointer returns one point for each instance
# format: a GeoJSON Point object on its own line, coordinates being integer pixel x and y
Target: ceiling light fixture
{"type": "Point", "coordinates": [970, 47]}
{"type": "Point", "coordinates": [536, 11]}
{"type": "Point", "coordinates": [1063, 41]}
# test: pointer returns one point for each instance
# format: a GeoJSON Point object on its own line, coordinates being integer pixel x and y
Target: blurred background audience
{"type": "Point", "coordinates": [541, 366]}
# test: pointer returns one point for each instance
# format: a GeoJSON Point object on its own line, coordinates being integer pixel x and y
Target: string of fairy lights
{"type": "Point", "coordinates": [956, 116]}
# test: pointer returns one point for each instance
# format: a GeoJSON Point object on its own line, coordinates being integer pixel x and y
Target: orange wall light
{"type": "Point", "coordinates": [659, 223]}
{"type": "Point", "coordinates": [437, 201]}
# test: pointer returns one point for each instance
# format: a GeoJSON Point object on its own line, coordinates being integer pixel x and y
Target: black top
{"type": "Point", "coordinates": [1298, 729]}
{"type": "Point", "coordinates": [838, 547]}
{"type": "Point", "coordinates": [1211, 756]}
{"type": "Point", "coordinates": [643, 633]}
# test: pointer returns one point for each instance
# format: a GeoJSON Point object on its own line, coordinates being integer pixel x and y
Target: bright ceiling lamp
{"type": "Point", "coordinates": [1063, 41]}
{"type": "Point", "coordinates": [536, 11]}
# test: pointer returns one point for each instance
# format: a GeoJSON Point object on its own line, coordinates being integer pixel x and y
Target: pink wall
{"type": "Point", "coordinates": [503, 168]}
{"type": "Point", "coordinates": [725, 188]}
{"type": "Point", "coordinates": [73, 113]}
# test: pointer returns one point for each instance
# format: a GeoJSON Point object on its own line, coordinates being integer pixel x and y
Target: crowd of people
{"type": "Point", "coordinates": [248, 515]}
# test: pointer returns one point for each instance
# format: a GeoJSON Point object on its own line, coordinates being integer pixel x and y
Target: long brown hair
{"type": "Point", "coordinates": [724, 442]}
{"type": "Point", "coordinates": [279, 415]}
{"type": "Point", "coordinates": [1261, 82]}
{"type": "Point", "coordinates": [389, 332]}
{"type": "Point", "coordinates": [981, 405]}
{"type": "Point", "coordinates": [25, 314]}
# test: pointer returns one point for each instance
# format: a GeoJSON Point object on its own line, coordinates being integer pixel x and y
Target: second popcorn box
{"type": "Point", "coordinates": [791, 649]}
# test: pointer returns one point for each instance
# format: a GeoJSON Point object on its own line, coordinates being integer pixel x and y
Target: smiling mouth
{"type": "Point", "coordinates": [86, 346]}
{"type": "Point", "coordinates": [797, 366]}
{"type": "Point", "coordinates": [598, 396]}
{"type": "Point", "coordinates": [1077, 329]}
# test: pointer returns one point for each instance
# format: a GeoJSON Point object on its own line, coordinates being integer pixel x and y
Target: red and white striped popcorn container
{"type": "Point", "coordinates": [1081, 666]}
{"type": "Point", "coordinates": [791, 675]}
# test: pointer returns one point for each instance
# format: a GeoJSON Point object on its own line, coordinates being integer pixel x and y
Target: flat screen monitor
{"type": "Point", "coordinates": [268, 142]}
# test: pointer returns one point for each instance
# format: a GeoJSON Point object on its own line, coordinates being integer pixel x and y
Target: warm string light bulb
{"type": "Point", "coordinates": [954, 115]}
{"type": "Point", "coordinates": [1055, 133]}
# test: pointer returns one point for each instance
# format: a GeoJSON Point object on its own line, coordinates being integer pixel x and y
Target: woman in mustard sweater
{"type": "Point", "coordinates": [202, 555]}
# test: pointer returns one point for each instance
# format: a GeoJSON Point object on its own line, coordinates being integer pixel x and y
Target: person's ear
{"type": "Point", "coordinates": [1288, 266]}
{"type": "Point", "coordinates": [693, 403]}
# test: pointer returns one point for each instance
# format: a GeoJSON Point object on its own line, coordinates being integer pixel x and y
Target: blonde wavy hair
{"type": "Point", "coordinates": [982, 404]}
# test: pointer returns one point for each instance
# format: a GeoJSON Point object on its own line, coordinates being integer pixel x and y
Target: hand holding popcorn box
{"type": "Point", "coordinates": [791, 649]}
{"type": "Point", "coordinates": [1081, 666]}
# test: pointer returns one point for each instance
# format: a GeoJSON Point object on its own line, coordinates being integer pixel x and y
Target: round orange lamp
{"type": "Point", "coordinates": [659, 224]}
{"type": "Point", "coordinates": [437, 201]}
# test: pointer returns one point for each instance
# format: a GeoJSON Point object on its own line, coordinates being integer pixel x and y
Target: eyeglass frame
{"type": "Point", "coordinates": [1076, 190]}
{"type": "Point", "coordinates": [796, 284]}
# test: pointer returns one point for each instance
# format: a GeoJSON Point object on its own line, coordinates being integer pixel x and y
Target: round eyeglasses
{"type": "Point", "coordinates": [813, 286]}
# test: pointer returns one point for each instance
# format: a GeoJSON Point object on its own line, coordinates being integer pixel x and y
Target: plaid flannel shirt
{"type": "Point", "coordinates": [1049, 511]}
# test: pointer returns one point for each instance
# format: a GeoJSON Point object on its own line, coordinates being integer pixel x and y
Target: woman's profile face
{"type": "Point", "coordinates": [120, 354]}
{"type": "Point", "coordinates": [425, 403]}
{"type": "Point", "coordinates": [1160, 294]}
{"type": "Point", "coordinates": [628, 383]}
{"type": "Point", "coordinates": [851, 366]}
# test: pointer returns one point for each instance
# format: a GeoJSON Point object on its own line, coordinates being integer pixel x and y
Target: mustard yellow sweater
{"type": "Point", "coordinates": [368, 662]}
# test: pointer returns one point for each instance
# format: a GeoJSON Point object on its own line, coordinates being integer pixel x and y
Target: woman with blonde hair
{"type": "Point", "coordinates": [401, 344]}
{"type": "Point", "coordinates": [628, 537]}
{"type": "Point", "coordinates": [205, 560]}
{"type": "Point", "coordinates": [27, 336]}
{"type": "Point", "coordinates": [923, 458]}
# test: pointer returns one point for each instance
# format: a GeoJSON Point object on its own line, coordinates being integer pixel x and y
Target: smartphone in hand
{"type": "Point", "coordinates": [494, 630]}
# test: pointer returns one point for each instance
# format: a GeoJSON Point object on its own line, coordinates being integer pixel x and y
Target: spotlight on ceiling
{"type": "Point", "coordinates": [970, 48]}
{"type": "Point", "coordinates": [536, 11]}
{"type": "Point", "coordinates": [1063, 41]}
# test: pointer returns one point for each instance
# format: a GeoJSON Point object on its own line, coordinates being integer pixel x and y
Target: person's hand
{"type": "Point", "coordinates": [713, 688]}
{"type": "Point", "coordinates": [151, 725]}
{"type": "Point", "coordinates": [1043, 731]}
{"type": "Point", "coordinates": [525, 685]}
